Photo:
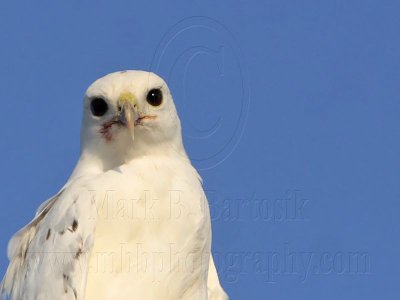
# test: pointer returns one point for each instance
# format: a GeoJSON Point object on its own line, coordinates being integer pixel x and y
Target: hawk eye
{"type": "Point", "coordinates": [154, 97]}
{"type": "Point", "coordinates": [99, 107]}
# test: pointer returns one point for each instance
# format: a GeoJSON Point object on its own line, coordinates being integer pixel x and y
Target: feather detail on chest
{"type": "Point", "coordinates": [156, 215]}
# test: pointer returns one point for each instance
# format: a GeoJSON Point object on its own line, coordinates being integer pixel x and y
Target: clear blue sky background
{"type": "Point", "coordinates": [289, 108]}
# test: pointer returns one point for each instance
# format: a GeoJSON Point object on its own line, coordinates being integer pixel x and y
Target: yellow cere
{"type": "Point", "coordinates": [127, 97]}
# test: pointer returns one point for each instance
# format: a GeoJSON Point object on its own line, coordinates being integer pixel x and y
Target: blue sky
{"type": "Point", "coordinates": [290, 110]}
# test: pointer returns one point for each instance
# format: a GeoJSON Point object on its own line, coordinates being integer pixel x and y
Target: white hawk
{"type": "Point", "coordinates": [132, 222]}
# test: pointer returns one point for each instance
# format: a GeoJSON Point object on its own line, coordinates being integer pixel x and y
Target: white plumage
{"type": "Point", "coordinates": [132, 222]}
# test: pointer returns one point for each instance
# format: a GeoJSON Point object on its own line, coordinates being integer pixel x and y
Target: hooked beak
{"type": "Point", "coordinates": [128, 103]}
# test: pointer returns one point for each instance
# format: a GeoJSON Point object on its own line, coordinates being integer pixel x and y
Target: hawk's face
{"type": "Point", "coordinates": [128, 111]}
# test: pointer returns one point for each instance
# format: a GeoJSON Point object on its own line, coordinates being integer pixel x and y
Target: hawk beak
{"type": "Point", "coordinates": [127, 102]}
